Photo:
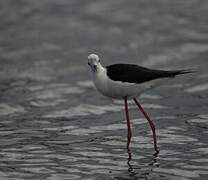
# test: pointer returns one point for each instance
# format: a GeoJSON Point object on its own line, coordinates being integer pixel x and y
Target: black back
{"type": "Point", "coordinates": [137, 74]}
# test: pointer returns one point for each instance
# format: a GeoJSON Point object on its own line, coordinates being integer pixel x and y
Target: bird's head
{"type": "Point", "coordinates": [94, 62]}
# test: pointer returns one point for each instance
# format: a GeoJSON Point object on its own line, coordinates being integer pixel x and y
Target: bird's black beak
{"type": "Point", "coordinates": [94, 67]}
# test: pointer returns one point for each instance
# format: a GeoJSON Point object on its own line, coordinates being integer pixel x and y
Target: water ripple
{"type": "Point", "coordinates": [177, 172]}
{"type": "Point", "coordinates": [197, 88]}
{"type": "Point", "coordinates": [6, 109]}
{"type": "Point", "coordinates": [89, 109]}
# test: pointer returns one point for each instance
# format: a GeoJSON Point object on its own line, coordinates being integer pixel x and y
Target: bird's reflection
{"type": "Point", "coordinates": [130, 169]}
{"type": "Point", "coordinates": [155, 159]}
{"type": "Point", "coordinates": [153, 162]}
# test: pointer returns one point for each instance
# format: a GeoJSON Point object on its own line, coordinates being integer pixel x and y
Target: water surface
{"type": "Point", "coordinates": [54, 125]}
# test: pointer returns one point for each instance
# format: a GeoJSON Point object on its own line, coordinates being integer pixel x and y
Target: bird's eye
{"type": "Point", "coordinates": [88, 63]}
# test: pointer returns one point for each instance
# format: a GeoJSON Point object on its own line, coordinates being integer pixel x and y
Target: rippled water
{"type": "Point", "coordinates": [55, 126]}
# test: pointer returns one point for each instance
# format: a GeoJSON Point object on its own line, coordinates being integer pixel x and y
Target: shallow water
{"type": "Point", "coordinates": [54, 125]}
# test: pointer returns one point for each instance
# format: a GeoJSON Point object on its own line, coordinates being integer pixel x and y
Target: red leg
{"type": "Point", "coordinates": [128, 123]}
{"type": "Point", "coordinates": [150, 123]}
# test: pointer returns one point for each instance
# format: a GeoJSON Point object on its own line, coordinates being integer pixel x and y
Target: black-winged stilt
{"type": "Point", "coordinates": [126, 81]}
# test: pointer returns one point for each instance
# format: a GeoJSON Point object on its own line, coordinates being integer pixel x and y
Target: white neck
{"type": "Point", "coordinates": [101, 69]}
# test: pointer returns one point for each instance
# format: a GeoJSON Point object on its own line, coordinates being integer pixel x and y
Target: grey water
{"type": "Point", "coordinates": [54, 125]}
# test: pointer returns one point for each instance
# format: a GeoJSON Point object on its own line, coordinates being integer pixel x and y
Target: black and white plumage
{"type": "Point", "coordinates": [127, 81]}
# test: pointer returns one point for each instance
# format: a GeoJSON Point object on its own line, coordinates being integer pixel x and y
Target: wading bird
{"type": "Point", "coordinates": [127, 81]}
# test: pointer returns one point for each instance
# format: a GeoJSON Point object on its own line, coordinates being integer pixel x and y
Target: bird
{"type": "Point", "coordinates": [126, 82]}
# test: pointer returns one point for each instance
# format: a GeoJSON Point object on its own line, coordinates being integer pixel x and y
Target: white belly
{"type": "Point", "coordinates": [118, 89]}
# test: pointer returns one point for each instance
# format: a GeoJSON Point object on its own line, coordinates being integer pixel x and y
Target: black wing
{"type": "Point", "coordinates": [137, 74]}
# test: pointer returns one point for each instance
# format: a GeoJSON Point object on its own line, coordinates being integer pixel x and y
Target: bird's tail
{"type": "Point", "coordinates": [179, 72]}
